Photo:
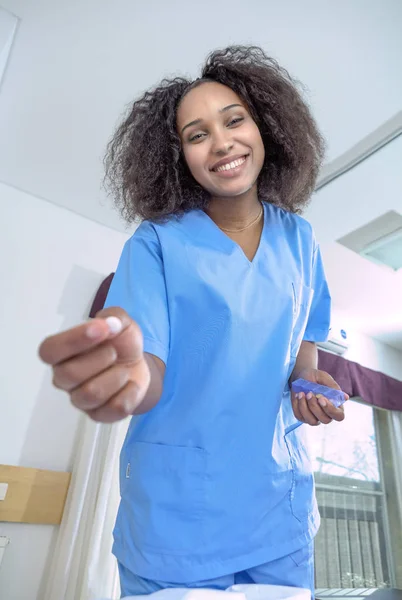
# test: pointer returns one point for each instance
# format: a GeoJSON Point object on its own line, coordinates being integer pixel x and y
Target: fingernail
{"type": "Point", "coordinates": [322, 402]}
{"type": "Point", "coordinates": [114, 324]}
{"type": "Point", "coordinates": [309, 396]}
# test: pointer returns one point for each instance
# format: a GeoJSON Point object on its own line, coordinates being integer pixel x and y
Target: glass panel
{"type": "Point", "coordinates": [350, 547]}
{"type": "Point", "coordinates": [347, 449]}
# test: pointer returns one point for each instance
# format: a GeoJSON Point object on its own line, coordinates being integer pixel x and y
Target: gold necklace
{"type": "Point", "coordinates": [258, 217]}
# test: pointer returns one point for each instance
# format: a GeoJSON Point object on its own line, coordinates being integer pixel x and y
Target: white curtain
{"type": "Point", "coordinates": [82, 566]}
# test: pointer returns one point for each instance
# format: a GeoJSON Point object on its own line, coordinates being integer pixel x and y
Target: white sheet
{"type": "Point", "coordinates": [242, 592]}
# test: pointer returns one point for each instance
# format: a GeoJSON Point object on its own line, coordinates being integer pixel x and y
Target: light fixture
{"type": "Point", "coordinates": [386, 250]}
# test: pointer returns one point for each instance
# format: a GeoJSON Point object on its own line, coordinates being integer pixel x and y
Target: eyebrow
{"type": "Point", "coordinates": [222, 110]}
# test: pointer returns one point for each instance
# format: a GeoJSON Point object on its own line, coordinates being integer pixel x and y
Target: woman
{"type": "Point", "coordinates": [216, 306]}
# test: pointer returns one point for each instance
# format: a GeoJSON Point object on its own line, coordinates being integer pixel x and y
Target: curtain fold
{"type": "Point", "coordinates": [82, 566]}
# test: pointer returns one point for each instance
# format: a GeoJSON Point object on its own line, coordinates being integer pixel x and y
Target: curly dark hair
{"type": "Point", "coordinates": [146, 172]}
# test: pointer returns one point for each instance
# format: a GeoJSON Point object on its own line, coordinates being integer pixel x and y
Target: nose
{"type": "Point", "coordinates": [222, 142]}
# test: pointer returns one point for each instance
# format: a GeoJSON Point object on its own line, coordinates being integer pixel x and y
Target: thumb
{"type": "Point", "coordinates": [118, 319]}
{"type": "Point", "coordinates": [325, 378]}
{"type": "Point", "coordinates": [126, 336]}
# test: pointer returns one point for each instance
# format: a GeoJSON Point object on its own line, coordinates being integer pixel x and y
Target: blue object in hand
{"type": "Point", "coordinates": [337, 397]}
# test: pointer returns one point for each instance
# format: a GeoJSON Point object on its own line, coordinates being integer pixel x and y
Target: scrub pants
{"type": "Point", "coordinates": [294, 570]}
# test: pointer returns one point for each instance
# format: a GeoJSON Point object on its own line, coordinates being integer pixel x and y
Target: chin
{"type": "Point", "coordinates": [232, 191]}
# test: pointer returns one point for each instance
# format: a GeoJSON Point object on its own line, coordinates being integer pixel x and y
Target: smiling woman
{"type": "Point", "coordinates": [214, 309]}
{"type": "Point", "coordinates": [252, 94]}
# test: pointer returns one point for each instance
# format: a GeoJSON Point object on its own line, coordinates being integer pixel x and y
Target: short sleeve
{"type": "Point", "coordinates": [319, 318]}
{"type": "Point", "coordinates": [139, 288]}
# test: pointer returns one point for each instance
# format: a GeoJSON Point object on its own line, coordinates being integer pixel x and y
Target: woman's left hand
{"type": "Point", "coordinates": [312, 409]}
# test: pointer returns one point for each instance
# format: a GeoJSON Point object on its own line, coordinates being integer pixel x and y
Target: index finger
{"type": "Point", "coordinates": [62, 346]}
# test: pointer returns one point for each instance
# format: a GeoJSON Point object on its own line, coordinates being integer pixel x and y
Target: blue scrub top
{"type": "Point", "coordinates": [216, 479]}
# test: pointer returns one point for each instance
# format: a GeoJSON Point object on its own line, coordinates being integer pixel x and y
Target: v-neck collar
{"type": "Point", "coordinates": [210, 227]}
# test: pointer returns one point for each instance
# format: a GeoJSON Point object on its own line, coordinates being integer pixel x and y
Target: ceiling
{"type": "Point", "coordinates": [75, 65]}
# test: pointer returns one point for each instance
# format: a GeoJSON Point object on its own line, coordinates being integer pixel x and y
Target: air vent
{"type": "Point", "coordinates": [380, 241]}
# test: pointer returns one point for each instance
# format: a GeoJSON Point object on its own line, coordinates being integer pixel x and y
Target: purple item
{"type": "Point", "coordinates": [337, 397]}
{"type": "Point", "coordinates": [101, 296]}
{"type": "Point", "coordinates": [373, 387]}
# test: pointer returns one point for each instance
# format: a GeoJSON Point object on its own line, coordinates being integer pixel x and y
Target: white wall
{"type": "Point", "coordinates": [8, 26]}
{"type": "Point", "coordinates": [374, 354]}
{"type": "Point", "coordinates": [368, 351]}
{"type": "Point", "coordinates": [52, 262]}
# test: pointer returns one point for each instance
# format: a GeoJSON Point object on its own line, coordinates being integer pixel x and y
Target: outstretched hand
{"type": "Point", "coordinates": [101, 365]}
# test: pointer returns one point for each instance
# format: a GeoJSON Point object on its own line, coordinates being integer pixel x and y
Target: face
{"type": "Point", "coordinates": [222, 144]}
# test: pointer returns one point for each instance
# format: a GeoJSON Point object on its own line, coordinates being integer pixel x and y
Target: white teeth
{"type": "Point", "coordinates": [232, 165]}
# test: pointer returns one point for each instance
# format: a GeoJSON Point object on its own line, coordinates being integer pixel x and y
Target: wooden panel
{"type": "Point", "coordinates": [34, 495]}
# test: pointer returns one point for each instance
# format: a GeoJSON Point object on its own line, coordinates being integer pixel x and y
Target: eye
{"type": "Point", "coordinates": [196, 137]}
{"type": "Point", "coordinates": [235, 120]}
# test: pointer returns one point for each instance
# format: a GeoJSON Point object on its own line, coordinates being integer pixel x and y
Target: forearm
{"type": "Point", "coordinates": [306, 359]}
{"type": "Point", "coordinates": [154, 392]}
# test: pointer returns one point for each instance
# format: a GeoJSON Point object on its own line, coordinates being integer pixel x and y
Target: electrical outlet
{"type": "Point", "coordinates": [3, 490]}
{"type": "Point", "coordinates": [3, 543]}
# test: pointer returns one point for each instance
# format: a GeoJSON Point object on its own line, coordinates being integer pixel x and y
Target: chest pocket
{"type": "Point", "coordinates": [302, 298]}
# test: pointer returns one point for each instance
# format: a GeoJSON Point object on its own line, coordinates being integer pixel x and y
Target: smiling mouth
{"type": "Point", "coordinates": [231, 165]}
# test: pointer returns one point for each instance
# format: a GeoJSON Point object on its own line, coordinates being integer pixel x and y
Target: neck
{"type": "Point", "coordinates": [234, 213]}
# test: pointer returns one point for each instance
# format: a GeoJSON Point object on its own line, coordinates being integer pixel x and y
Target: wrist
{"type": "Point", "coordinates": [302, 373]}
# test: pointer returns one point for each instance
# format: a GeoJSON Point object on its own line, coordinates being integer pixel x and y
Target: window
{"type": "Point", "coordinates": [353, 545]}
